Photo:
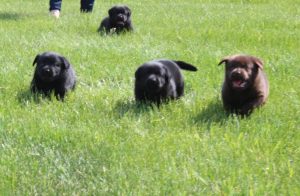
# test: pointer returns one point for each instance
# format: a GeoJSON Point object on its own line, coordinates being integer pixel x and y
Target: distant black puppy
{"type": "Point", "coordinates": [160, 80]}
{"type": "Point", "coordinates": [53, 72]}
{"type": "Point", "coordinates": [118, 20]}
{"type": "Point", "coordinates": [245, 85]}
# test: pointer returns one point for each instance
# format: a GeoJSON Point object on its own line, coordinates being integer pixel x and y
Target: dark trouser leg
{"type": "Point", "coordinates": [55, 5]}
{"type": "Point", "coordinates": [86, 5]}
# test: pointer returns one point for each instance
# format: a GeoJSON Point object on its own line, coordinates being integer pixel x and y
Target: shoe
{"type": "Point", "coordinates": [55, 13]}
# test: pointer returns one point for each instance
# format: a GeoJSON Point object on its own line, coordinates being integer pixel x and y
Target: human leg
{"type": "Point", "coordinates": [55, 6]}
{"type": "Point", "coordinates": [86, 5]}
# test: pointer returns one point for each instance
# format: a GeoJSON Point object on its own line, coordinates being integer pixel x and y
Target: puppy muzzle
{"type": "Point", "coordinates": [238, 81]}
{"type": "Point", "coordinates": [121, 19]}
{"type": "Point", "coordinates": [153, 84]}
{"type": "Point", "coordinates": [47, 74]}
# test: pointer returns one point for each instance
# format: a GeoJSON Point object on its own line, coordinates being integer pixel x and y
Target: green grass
{"type": "Point", "coordinates": [100, 142]}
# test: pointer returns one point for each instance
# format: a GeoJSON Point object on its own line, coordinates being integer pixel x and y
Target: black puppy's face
{"type": "Point", "coordinates": [119, 15]}
{"type": "Point", "coordinates": [241, 70]}
{"type": "Point", "coordinates": [152, 78]}
{"type": "Point", "coordinates": [50, 65]}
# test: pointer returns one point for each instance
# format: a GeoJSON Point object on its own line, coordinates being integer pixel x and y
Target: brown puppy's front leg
{"type": "Point", "coordinates": [250, 106]}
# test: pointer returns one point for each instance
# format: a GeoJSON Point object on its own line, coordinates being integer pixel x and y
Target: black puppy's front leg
{"type": "Point", "coordinates": [33, 87]}
{"type": "Point", "coordinates": [60, 94]}
{"type": "Point", "coordinates": [129, 27]}
{"type": "Point", "coordinates": [140, 95]}
{"type": "Point", "coordinates": [104, 26]}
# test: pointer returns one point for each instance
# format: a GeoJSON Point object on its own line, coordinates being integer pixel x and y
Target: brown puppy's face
{"type": "Point", "coordinates": [241, 70]}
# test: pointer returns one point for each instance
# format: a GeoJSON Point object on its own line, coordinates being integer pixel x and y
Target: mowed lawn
{"type": "Point", "coordinates": [99, 142]}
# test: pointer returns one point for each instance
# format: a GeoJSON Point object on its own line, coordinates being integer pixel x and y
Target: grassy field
{"type": "Point", "coordinates": [99, 142]}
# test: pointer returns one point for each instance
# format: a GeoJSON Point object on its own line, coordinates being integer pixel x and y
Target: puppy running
{"type": "Point", "coordinates": [160, 80]}
{"type": "Point", "coordinates": [118, 20]}
{"type": "Point", "coordinates": [245, 86]}
{"type": "Point", "coordinates": [52, 73]}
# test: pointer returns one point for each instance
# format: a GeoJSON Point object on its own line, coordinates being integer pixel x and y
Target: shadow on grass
{"type": "Point", "coordinates": [212, 113]}
{"type": "Point", "coordinates": [11, 16]}
{"type": "Point", "coordinates": [26, 96]}
{"type": "Point", "coordinates": [132, 107]}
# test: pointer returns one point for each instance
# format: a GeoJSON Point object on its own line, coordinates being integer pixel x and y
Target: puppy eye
{"type": "Point", "coordinates": [230, 66]}
{"type": "Point", "coordinates": [57, 65]}
{"type": "Point", "coordinates": [244, 66]}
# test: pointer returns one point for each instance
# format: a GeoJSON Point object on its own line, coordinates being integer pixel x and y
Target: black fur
{"type": "Point", "coordinates": [160, 80]}
{"type": "Point", "coordinates": [119, 20]}
{"type": "Point", "coordinates": [53, 72]}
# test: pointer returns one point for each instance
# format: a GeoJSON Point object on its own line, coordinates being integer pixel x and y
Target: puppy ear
{"type": "Point", "coordinates": [224, 60]}
{"type": "Point", "coordinates": [258, 62]}
{"type": "Point", "coordinates": [111, 11]}
{"type": "Point", "coordinates": [167, 75]}
{"type": "Point", "coordinates": [137, 73]}
{"type": "Point", "coordinates": [128, 10]}
{"type": "Point", "coordinates": [36, 59]}
{"type": "Point", "coordinates": [65, 62]}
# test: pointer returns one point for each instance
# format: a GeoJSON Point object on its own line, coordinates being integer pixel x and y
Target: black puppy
{"type": "Point", "coordinates": [118, 20]}
{"type": "Point", "coordinates": [245, 86]}
{"type": "Point", "coordinates": [53, 72]}
{"type": "Point", "coordinates": [160, 80]}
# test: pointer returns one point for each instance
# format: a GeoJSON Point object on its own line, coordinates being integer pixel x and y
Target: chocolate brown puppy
{"type": "Point", "coordinates": [245, 85]}
{"type": "Point", "coordinates": [118, 21]}
{"type": "Point", "coordinates": [53, 72]}
{"type": "Point", "coordinates": [160, 80]}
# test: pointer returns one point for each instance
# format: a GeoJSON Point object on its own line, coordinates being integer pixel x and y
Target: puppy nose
{"type": "Point", "coordinates": [152, 82]}
{"type": "Point", "coordinates": [120, 16]}
{"type": "Point", "coordinates": [236, 73]}
{"type": "Point", "coordinates": [47, 71]}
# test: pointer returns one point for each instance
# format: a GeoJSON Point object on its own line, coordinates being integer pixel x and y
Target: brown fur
{"type": "Point", "coordinates": [245, 85]}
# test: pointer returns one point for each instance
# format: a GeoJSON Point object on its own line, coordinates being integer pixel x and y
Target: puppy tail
{"type": "Point", "coordinates": [186, 66]}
